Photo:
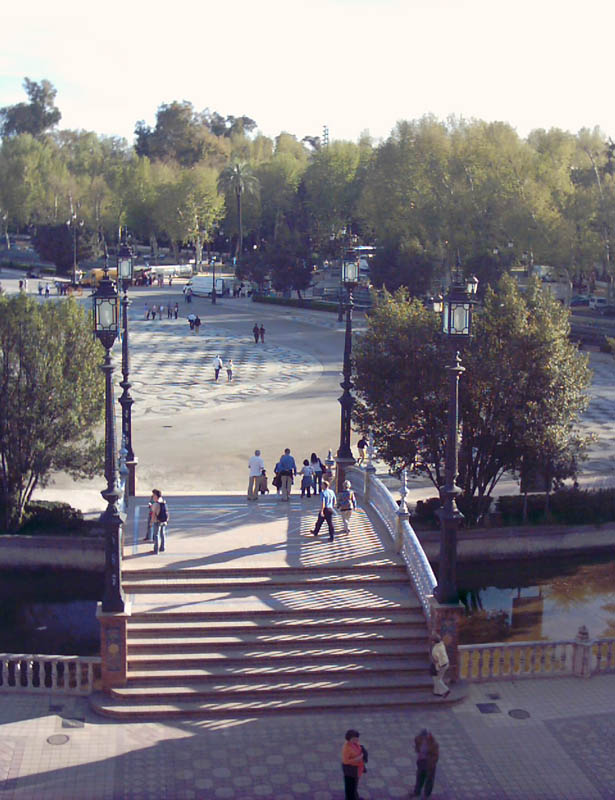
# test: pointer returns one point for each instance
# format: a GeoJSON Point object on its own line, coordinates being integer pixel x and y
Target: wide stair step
{"type": "Point", "coordinates": [229, 708]}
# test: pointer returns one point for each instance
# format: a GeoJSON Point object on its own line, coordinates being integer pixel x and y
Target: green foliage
{"type": "Point", "coordinates": [55, 243]}
{"type": "Point", "coordinates": [34, 117]}
{"type": "Point", "coordinates": [521, 395]}
{"type": "Point", "coordinates": [51, 398]}
{"type": "Point", "coordinates": [236, 180]}
{"type": "Point", "coordinates": [568, 506]}
{"type": "Point", "coordinates": [317, 305]}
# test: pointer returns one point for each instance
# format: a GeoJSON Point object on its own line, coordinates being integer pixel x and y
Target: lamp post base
{"type": "Point", "coordinates": [131, 483]}
{"type": "Point", "coordinates": [113, 656]}
{"type": "Point", "coordinates": [342, 463]}
{"type": "Point", "coordinates": [445, 622]}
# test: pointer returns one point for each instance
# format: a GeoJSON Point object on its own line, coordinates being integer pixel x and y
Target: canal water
{"type": "Point", "coordinates": [537, 600]}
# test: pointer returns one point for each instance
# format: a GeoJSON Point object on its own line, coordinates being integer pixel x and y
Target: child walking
{"type": "Point", "coordinates": [307, 479]}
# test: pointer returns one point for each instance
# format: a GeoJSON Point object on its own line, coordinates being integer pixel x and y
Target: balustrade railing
{"type": "Point", "coordinates": [511, 660]}
{"type": "Point", "coordinates": [45, 673]}
{"type": "Point", "coordinates": [395, 520]}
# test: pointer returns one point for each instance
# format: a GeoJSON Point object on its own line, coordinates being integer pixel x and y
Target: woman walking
{"type": "Point", "coordinates": [318, 468]}
{"type": "Point", "coordinates": [229, 370]}
{"type": "Point", "coordinates": [353, 765]}
{"type": "Point", "coordinates": [346, 504]}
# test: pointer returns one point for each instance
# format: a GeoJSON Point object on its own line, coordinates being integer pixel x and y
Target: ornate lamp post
{"type": "Point", "coordinates": [344, 458]}
{"type": "Point", "coordinates": [124, 274]}
{"type": "Point", "coordinates": [456, 310]}
{"type": "Point", "coordinates": [105, 314]}
{"type": "Point", "coordinates": [73, 223]}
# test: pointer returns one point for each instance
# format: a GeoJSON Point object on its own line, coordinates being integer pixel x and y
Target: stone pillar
{"type": "Point", "coordinates": [582, 654]}
{"type": "Point", "coordinates": [370, 470]}
{"type": "Point", "coordinates": [445, 621]}
{"type": "Point", "coordinates": [113, 646]}
{"type": "Point", "coordinates": [402, 514]}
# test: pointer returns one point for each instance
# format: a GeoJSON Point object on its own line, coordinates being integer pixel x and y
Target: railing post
{"type": "Point", "coordinates": [114, 663]}
{"type": "Point", "coordinates": [370, 469]}
{"type": "Point", "coordinates": [402, 515]}
{"type": "Point", "coordinates": [581, 655]}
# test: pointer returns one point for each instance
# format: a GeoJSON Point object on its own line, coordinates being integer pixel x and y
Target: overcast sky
{"type": "Point", "coordinates": [349, 64]}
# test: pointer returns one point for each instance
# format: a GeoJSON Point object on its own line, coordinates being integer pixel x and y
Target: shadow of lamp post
{"type": "Point", "coordinates": [344, 457]}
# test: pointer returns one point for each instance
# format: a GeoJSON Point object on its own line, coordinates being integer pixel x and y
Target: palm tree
{"type": "Point", "coordinates": [239, 179]}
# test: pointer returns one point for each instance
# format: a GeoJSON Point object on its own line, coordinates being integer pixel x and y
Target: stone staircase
{"type": "Point", "coordinates": [221, 642]}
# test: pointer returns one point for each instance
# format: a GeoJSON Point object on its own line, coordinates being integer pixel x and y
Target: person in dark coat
{"type": "Point", "coordinates": [427, 753]}
{"type": "Point", "coordinates": [256, 331]}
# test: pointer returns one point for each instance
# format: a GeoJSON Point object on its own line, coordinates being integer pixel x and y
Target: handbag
{"type": "Point", "coordinates": [350, 770]}
{"type": "Point", "coordinates": [433, 671]}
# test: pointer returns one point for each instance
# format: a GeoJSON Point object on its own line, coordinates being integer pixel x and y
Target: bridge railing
{"type": "Point", "coordinates": [395, 518]}
{"type": "Point", "coordinates": [44, 673]}
{"type": "Point", "coordinates": [511, 660]}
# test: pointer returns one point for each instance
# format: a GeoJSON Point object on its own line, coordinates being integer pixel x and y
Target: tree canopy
{"type": "Point", "coordinates": [51, 398]}
{"type": "Point", "coordinates": [35, 117]}
{"type": "Point", "coordinates": [521, 395]}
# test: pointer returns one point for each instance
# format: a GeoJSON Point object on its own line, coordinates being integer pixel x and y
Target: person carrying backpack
{"type": "Point", "coordinates": [160, 518]}
{"type": "Point", "coordinates": [346, 504]}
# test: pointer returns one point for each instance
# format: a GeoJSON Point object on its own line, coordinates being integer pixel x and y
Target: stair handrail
{"type": "Point", "coordinates": [395, 519]}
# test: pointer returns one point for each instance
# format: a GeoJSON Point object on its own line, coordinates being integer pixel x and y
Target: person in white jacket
{"type": "Point", "coordinates": [439, 658]}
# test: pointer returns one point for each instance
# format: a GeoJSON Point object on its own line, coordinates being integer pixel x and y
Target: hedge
{"type": "Point", "coordinates": [317, 305]}
{"type": "Point", "coordinates": [44, 517]}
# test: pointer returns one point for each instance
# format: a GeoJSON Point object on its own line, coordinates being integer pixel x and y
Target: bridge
{"type": "Point", "coordinates": [247, 612]}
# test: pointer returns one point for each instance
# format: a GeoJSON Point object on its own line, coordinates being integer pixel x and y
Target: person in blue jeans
{"type": "Point", "coordinates": [160, 520]}
{"type": "Point", "coordinates": [326, 511]}
{"type": "Point", "coordinates": [287, 470]}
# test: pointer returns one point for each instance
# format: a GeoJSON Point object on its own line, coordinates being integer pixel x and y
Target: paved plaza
{"type": "Point", "coordinates": [55, 748]}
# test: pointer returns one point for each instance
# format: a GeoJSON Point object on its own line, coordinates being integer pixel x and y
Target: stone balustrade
{"type": "Point", "coordinates": [44, 673]}
{"type": "Point", "coordinates": [582, 657]}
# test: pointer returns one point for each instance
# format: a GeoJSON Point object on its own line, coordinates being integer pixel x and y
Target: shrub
{"type": "Point", "coordinates": [54, 518]}
{"type": "Point", "coordinates": [295, 302]}
{"type": "Point", "coordinates": [567, 506]}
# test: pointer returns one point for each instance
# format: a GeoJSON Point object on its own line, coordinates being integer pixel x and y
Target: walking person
{"type": "Point", "coordinates": [255, 332]}
{"type": "Point", "coordinates": [160, 516]}
{"type": "Point", "coordinates": [427, 752]}
{"type": "Point", "coordinates": [287, 469]}
{"type": "Point", "coordinates": [256, 466]}
{"type": "Point", "coordinates": [154, 310]}
{"type": "Point", "coordinates": [353, 764]}
{"type": "Point", "coordinates": [147, 311]}
{"type": "Point", "coordinates": [307, 478]}
{"type": "Point", "coordinates": [229, 371]}
{"type": "Point", "coordinates": [361, 446]}
{"type": "Point", "coordinates": [439, 666]}
{"type": "Point", "coordinates": [346, 503]}
{"type": "Point", "coordinates": [191, 318]}
{"type": "Point", "coordinates": [169, 310]}
{"type": "Point", "coordinates": [176, 310]}
{"type": "Point", "coordinates": [261, 330]}
{"type": "Point", "coordinates": [197, 324]}
{"type": "Point", "coordinates": [217, 367]}
{"type": "Point", "coordinates": [326, 511]}
{"type": "Point", "coordinates": [318, 469]}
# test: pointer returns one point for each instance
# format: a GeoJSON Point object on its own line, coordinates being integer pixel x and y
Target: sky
{"type": "Point", "coordinates": [352, 65]}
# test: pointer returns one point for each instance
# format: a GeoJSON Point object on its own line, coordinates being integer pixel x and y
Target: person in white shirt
{"type": "Point", "coordinates": [218, 364]}
{"type": "Point", "coordinates": [256, 465]}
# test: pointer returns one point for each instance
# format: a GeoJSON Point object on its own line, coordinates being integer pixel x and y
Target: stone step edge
{"type": "Point", "coordinates": [211, 674]}
{"type": "Point", "coordinates": [305, 611]}
{"type": "Point", "coordinates": [100, 703]}
{"type": "Point", "coordinates": [231, 572]}
{"type": "Point", "coordinates": [255, 639]}
{"type": "Point", "coordinates": [144, 694]}
{"type": "Point", "coordinates": [139, 632]}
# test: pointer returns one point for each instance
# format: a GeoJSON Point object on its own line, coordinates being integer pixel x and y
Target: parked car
{"type": "Point", "coordinates": [579, 300]}
{"type": "Point", "coordinates": [607, 311]}
{"type": "Point", "coordinates": [597, 302]}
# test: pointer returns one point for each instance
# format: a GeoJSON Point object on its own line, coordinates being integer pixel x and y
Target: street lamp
{"type": "Point", "coordinates": [105, 317]}
{"type": "Point", "coordinates": [456, 310]}
{"type": "Point", "coordinates": [344, 458]}
{"type": "Point", "coordinates": [72, 223]}
{"type": "Point", "coordinates": [124, 274]}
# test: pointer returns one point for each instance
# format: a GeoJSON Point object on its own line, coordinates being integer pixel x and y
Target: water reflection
{"type": "Point", "coordinates": [546, 599]}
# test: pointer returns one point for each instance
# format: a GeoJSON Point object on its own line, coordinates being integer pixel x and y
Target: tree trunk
{"type": "Point", "coordinates": [240, 228]}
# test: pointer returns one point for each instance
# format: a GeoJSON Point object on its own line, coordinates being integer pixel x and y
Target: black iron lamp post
{"type": "Point", "coordinates": [105, 313]}
{"type": "Point", "coordinates": [124, 274]}
{"type": "Point", "coordinates": [344, 458]}
{"type": "Point", "coordinates": [73, 223]}
{"type": "Point", "coordinates": [456, 310]}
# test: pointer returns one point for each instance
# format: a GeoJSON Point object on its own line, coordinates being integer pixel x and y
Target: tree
{"type": "Point", "coordinates": [51, 397]}
{"type": "Point", "coordinates": [238, 179]}
{"type": "Point", "coordinates": [35, 117]}
{"type": "Point", "coordinates": [55, 243]}
{"type": "Point", "coordinates": [520, 397]}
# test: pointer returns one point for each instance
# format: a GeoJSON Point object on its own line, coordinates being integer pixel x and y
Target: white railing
{"type": "Point", "coordinates": [43, 673]}
{"type": "Point", "coordinates": [512, 660]}
{"type": "Point", "coordinates": [395, 520]}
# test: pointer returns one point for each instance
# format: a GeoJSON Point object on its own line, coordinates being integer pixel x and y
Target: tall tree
{"type": "Point", "coordinates": [236, 180]}
{"type": "Point", "coordinates": [520, 397]}
{"type": "Point", "coordinates": [35, 117]}
{"type": "Point", "coordinates": [51, 398]}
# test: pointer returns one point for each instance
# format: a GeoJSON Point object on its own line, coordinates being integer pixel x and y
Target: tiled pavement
{"type": "Point", "coordinates": [563, 749]}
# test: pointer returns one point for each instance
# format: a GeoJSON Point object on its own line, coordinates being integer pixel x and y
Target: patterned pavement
{"type": "Point", "coordinates": [599, 420]}
{"type": "Point", "coordinates": [171, 368]}
{"type": "Point", "coordinates": [555, 753]}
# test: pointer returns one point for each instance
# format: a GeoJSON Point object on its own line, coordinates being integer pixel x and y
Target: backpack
{"type": "Point", "coordinates": [162, 513]}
